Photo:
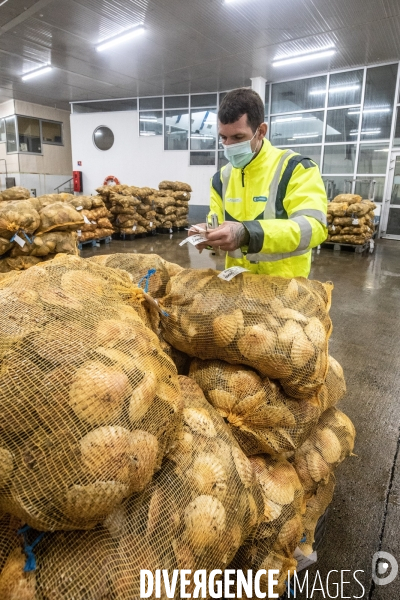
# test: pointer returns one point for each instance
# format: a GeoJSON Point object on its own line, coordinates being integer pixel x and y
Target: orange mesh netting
{"type": "Point", "coordinates": [89, 403]}
{"type": "Point", "coordinates": [277, 326]}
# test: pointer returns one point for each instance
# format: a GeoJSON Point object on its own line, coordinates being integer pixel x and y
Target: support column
{"type": "Point", "coordinates": [258, 85]}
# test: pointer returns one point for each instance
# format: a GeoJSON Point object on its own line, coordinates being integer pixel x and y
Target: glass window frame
{"type": "Point", "coordinates": [144, 112]}
{"type": "Point", "coordinates": [17, 116]}
{"type": "Point", "coordinates": [186, 111]}
{"type": "Point", "coordinates": [3, 127]}
{"type": "Point", "coordinates": [62, 132]}
{"type": "Point", "coordinates": [14, 118]}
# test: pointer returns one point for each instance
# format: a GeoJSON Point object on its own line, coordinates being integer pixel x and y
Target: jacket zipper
{"type": "Point", "coordinates": [242, 177]}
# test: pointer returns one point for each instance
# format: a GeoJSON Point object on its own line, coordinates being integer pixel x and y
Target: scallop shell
{"type": "Point", "coordinates": [289, 313]}
{"type": "Point", "coordinates": [116, 521]}
{"type": "Point", "coordinates": [15, 583]}
{"type": "Point", "coordinates": [205, 522]}
{"type": "Point", "coordinates": [189, 327]}
{"type": "Point", "coordinates": [83, 285]}
{"type": "Point", "coordinates": [249, 404]}
{"type": "Point", "coordinates": [340, 419]}
{"type": "Point", "coordinates": [208, 475]}
{"type": "Point", "coordinates": [225, 328]}
{"type": "Point", "coordinates": [6, 466]}
{"type": "Point", "coordinates": [93, 501]}
{"type": "Point", "coordinates": [290, 534]}
{"type": "Point", "coordinates": [190, 389]}
{"type": "Point", "coordinates": [98, 392]}
{"type": "Point", "coordinates": [222, 401]}
{"type": "Point", "coordinates": [110, 332]}
{"type": "Point", "coordinates": [58, 297]}
{"type": "Point", "coordinates": [244, 383]}
{"type": "Point", "coordinates": [272, 511]}
{"type": "Point", "coordinates": [328, 444]}
{"type": "Point", "coordinates": [114, 453]}
{"type": "Point", "coordinates": [317, 466]}
{"type": "Point", "coordinates": [142, 397]}
{"type": "Point", "coordinates": [256, 343]}
{"type": "Point", "coordinates": [316, 333]}
{"type": "Point", "coordinates": [276, 485]}
{"type": "Point", "coordinates": [292, 291]}
{"type": "Point", "coordinates": [303, 472]}
{"type": "Point", "coordinates": [253, 510]}
{"type": "Point", "coordinates": [276, 366]}
{"type": "Point", "coordinates": [288, 333]}
{"type": "Point", "coordinates": [199, 421]}
{"type": "Point", "coordinates": [302, 351]}
{"type": "Point", "coordinates": [243, 467]}
{"type": "Point", "coordinates": [184, 556]}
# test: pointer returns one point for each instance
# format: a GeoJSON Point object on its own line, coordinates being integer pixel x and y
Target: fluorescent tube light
{"type": "Point", "coordinates": [305, 135]}
{"type": "Point", "coordinates": [148, 120]}
{"type": "Point", "coordinates": [36, 72]}
{"type": "Point", "coordinates": [335, 90]}
{"type": "Point", "coordinates": [370, 111]}
{"type": "Point", "coordinates": [367, 132]}
{"type": "Point", "coordinates": [297, 57]}
{"type": "Point", "coordinates": [120, 38]}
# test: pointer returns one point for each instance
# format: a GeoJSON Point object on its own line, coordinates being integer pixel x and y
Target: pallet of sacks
{"type": "Point", "coordinates": [132, 211]}
{"type": "Point", "coordinates": [351, 220]}
{"type": "Point", "coordinates": [172, 204]}
{"type": "Point", "coordinates": [36, 229]}
{"type": "Point", "coordinates": [96, 216]}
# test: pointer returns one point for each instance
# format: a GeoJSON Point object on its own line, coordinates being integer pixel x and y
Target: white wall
{"type": "Point", "coordinates": [135, 160]}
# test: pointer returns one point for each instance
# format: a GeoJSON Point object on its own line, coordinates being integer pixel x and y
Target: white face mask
{"type": "Point", "coordinates": [240, 154]}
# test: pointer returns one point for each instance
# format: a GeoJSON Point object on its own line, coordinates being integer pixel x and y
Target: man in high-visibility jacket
{"type": "Point", "coordinates": [271, 203]}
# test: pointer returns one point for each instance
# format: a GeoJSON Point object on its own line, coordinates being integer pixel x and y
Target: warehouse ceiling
{"type": "Point", "coordinates": [188, 45]}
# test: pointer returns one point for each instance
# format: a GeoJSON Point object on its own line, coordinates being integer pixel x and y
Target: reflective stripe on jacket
{"type": "Point", "coordinates": [281, 200]}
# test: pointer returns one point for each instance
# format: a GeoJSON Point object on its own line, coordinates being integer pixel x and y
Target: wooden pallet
{"type": "Point", "coordinates": [358, 248]}
{"type": "Point", "coordinates": [93, 243]}
{"type": "Point", "coordinates": [130, 237]}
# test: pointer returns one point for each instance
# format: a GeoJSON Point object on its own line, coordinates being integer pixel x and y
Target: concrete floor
{"type": "Point", "coordinates": [365, 514]}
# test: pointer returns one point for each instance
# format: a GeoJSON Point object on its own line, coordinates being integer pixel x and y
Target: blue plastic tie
{"type": "Point", "coordinates": [27, 237]}
{"type": "Point", "coordinates": [30, 564]}
{"type": "Point", "coordinates": [146, 278]}
{"type": "Point", "coordinates": [289, 588]}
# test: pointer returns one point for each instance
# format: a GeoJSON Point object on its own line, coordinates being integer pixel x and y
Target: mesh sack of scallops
{"type": "Point", "coordinates": [18, 217]}
{"type": "Point", "coordinates": [316, 507]}
{"type": "Point", "coordinates": [330, 442]}
{"type": "Point", "coordinates": [279, 327]}
{"type": "Point", "coordinates": [14, 193]}
{"type": "Point", "coordinates": [65, 242]}
{"type": "Point", "coordinates": [281, 526]}
{"type": "Point", "coordinates": [139, 265]}
{"type": "Point", "coordinates": [89, 402]}
{"type": "Point", "coordinates": [195, 514]}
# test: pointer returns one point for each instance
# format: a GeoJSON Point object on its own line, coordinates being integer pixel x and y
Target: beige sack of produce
{"type": "Point", "coordinates": [279, 327]}
{"type": "Point", "coordinates": [182, 204]}
{"type": "Point", "coordinates": [349, 239]}
{"type": "Point", "coordinates": [123, 201]}
{"type": "Point", "coordinates": [60, 216]}
{"type": "Point", "coordinates": [349, 198]}
{"type": "Point", "coordinates": [135, 230]}
{"type": "Point", "coordinates": [14, 193]}
{"type": "Point", "coordinates": [177, 186]}
{"type": "Point", "coordinates": [48, 243]}
{"type": "Point", "coordinates": [263, 419]}
{"type": "Point", "coordinates": [361, 209]}
{"type": "Point", "coordinates": [195, 515]}
{"type": "Point", "coordinates": [329, 444]}
{"type": "Point", "coordinates": [281, 527]}
{"type": "Point", "coordinates": [348, 221]}
{"type": "Point", "coordinates": [181, 222]}
{"type": "Point", "coordinates": [89, 403]}
{"type": "Point", "coordinates": [15, 583]}
{"type": "Point", "coordinates": [337, 209]}
{"type": "Point", "coordinates": [81, 202]}
{"type": "Point", "coordinates": [355, 230]}
{"type": "Point", "coordinates": [182, 196]}
{"type": "Point", "coordinates": [5, 245]}
{"type": "Point", "coordinates": [181, 211]}
{"type": "Point", "coordinates": [138, 266]}
{"type": "Point", "coordinates": [17, 216]}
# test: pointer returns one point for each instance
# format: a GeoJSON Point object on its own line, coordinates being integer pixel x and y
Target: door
{"type": "Point", "coordinates": [391, 207]}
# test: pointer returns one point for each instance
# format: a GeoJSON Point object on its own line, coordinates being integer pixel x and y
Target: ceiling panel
{"type": "Point", "coordinates": [188, 45]}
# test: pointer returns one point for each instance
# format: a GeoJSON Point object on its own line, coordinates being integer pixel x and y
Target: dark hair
{"type": "Point", "coordinates": [243, 101]}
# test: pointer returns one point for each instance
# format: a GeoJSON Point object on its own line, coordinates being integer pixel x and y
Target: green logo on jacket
{"type": "Point", "coordinates": [260, 199]}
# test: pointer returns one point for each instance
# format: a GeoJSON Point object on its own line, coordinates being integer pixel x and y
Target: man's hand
{"type": "Point", "coordinates": [228, 236]}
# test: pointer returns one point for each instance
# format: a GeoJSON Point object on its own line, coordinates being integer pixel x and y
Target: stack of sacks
{"type": "Point", "coordinates": [180, 192]}
{"type": "Point", "coordinates": [350, 219]}
{"type": "Point", "coordinates": [130, 209]}
{"type": "Point", "coordinates": [96, 218]}
{"type": "Point", "coordinates": [14, 193]}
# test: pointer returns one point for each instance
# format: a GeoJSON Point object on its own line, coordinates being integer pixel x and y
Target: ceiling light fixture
{"type": "Point", "coordinates": [370, 111]}
{"type": "Point", "coordinates": [36, 73]}
{"type": "Point", "coordinates": [306, 135]}
{"type": "Point", "coordinates": [297, 57]}
{"type": "Point", "coordinates": [120, 38]}
{"type": "Point", "coordinates": [335, 90]}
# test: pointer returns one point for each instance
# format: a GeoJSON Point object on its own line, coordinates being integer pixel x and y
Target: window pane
{"type": "Point", "coordinates": [176, 129]}
{"type": "Point", "coordinates": [202, 158]}
{"type": "Point", "coordinates": [366, 187]}
{"type": "Point", "coordinates": [345, 88]}
{"type": "Point", "coordinates": [2, 130]}
{"type": "Point", "coordinates": [150, 103]}
{"type": "Point", "coordinates": [341, 127]}
{"type": "Point", "coordinates": [266, 110]}
{"type": "Point", "coordinates": [222, 161]}
{"type": "Point", "coordinates": [395, 192]}
{"type": "Point", "coordinates": [396, 141]}
{"type": "Point", "coordinates": [52, 132]}
{"type": "Point", "coordinates": [29, 135]}
{"type": "Point", "coordinates": [106, 106]}
{"type": "Point", "coordinates": [303, 94]}
{"type": "Point", "coordinates": [103, 138]}
{"type": "Point", "coordinates": [378, 105]}
{"type": "Point", "coordinates": [313, 152]}
{"type": "Point", "coordinates": [198, 100]}
{"type": "Point", "coordinates": [339, 159]}
{"type": "Point", "coordinates": [203, 132]}
{"type": "Point", "coordinates": [297, 129]}
{"type": "Point", "coordinates": [373, 159]}
{"type": "Point", "coordinates": [150, 123]}
{"type": "Point", "coordinates": [11, 134]}
{"type": "Point", "coordinates": [176, 102]}
{"type": "Point", "coordinates": [337, 185]}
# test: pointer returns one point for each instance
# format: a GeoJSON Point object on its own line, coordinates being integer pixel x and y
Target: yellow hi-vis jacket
{"type": "Point", "coordinates": [281, 200]}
